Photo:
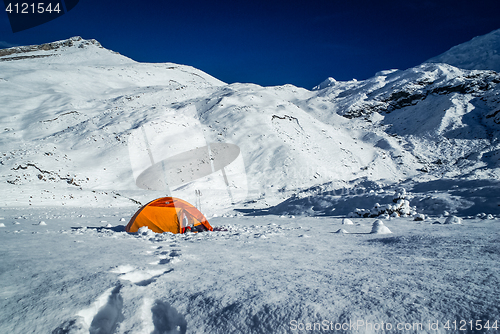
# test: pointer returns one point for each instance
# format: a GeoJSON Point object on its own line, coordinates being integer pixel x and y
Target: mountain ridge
{"type": "Point", "coordinates": [50, 46]}
{"type": "Point", "coordinates": [480, 53]}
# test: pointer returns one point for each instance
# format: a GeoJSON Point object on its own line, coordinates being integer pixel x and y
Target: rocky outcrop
{"type": "Point", "coordinates": [405, 91]}
{"type": "Point", "coordinates": [77, 40]}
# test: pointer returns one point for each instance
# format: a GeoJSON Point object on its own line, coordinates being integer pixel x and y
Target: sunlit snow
{"type": "Point", "coordinates": [364, 204]}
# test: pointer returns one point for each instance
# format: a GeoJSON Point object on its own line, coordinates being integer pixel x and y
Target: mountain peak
{"type": "Point", "coordinates": [326, 83]}
{"type": "Point", "coordinates": [74, 50]}
{"type": "Point", "coordinates": [480, 53]}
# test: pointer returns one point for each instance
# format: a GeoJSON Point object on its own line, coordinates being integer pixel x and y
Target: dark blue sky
{"type": "Point", "coordinates": [272, 42]}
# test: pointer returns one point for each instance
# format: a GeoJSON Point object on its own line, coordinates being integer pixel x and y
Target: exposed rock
{"type": "Point", "coordinates": [49, 46]}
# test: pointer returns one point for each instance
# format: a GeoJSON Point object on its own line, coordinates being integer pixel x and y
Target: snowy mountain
{"type": "Point", "coordinates": [480, 53]}
{"type": "Point", "coordinates": [86, 135]}
{"type": "Point", "coordinates": [70, 110]}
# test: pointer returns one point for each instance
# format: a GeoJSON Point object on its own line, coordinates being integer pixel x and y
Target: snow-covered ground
{"type": "Point", "coordinates": [86, 134]}
{"type": "Point", "coordinates": [256, 274]}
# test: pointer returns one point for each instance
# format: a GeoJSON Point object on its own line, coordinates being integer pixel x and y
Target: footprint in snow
{"type": "Point", "coordinates": [171, 253]}
{"type": "Point", "coordinates": [167, 320]}
{"type": "Point", "coordinates": [102, 317]}
{"type": "Point", "coordinates": [109, 316]}
{"type": "Point", "coordinates": [137, 276]}
{"type": "Point", "coordinates": [166, 256]}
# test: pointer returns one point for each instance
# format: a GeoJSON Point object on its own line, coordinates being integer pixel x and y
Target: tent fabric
{"type": "Point", "coordinates": [169, 214]}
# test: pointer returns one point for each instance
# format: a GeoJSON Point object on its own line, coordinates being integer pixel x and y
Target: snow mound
{"type": "Point", "coordinates": [347, 221]}
{"type": "Point", "coordinates": [485, 216]}
{"type": "Point", "coordinates": [145, 231]}
{"type": "Point", "coordinates": [41, 223]}
{"type": "Point", "coordinates": [378, 227]}
{"type": "Point", "coordinates": [453, 220]}
{"type": "Point", "coordinates": [2, 225]}
{"type": "Point", "coordinates": [341, 231]}
{"type": "Point", "coordinates": [419, 217]}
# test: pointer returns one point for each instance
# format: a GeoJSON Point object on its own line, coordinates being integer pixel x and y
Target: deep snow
{"type": "Point", "coordinates": [261, 274]}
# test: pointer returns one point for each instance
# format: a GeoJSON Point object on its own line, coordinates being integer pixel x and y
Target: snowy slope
{"type": "Point", "coordinates": [83, 114]}
{"type": "Point", "coordinates": [433, 110]}
{"type": "Point", "coordinates": [480, 53]}
{"type": "Point", "coordinates": [71, 109]}
{"type": "Point", "coordinates": [68, 111]}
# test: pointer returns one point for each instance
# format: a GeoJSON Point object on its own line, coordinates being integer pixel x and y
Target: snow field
{"type": "Point", "coordinates": [253, 275]}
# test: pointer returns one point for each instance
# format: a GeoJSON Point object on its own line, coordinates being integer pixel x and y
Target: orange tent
{"type": "Point", "coordinates": [169, 214]}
